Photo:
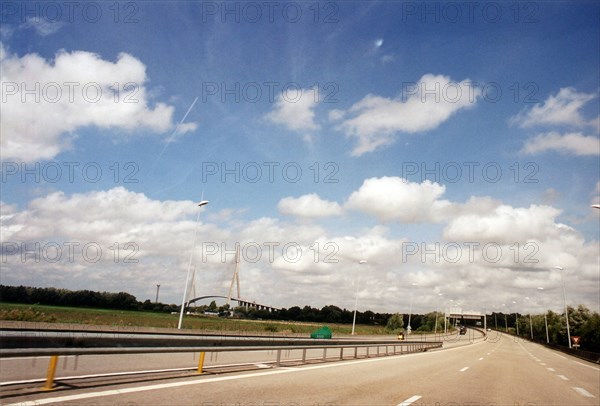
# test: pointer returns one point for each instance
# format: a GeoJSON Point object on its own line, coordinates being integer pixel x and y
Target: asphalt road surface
{"type": "Point", "coordinates": [498, 371]}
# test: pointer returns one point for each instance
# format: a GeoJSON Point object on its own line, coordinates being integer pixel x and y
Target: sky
{"type": "Point", "coordinates": [454, 147]}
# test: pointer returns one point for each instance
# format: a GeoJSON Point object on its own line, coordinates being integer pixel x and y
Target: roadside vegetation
{"type": "Point", "coordinates": [20, 303]}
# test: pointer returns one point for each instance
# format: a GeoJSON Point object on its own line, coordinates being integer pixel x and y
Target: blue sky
{"type": "Point", "coordinates": [378, 104]}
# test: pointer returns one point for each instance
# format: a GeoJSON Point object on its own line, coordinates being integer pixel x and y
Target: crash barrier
{"type": "Point", "coordinates": [55, 344]}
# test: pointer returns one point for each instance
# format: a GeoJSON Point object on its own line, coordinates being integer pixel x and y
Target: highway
{"type": "Point", "coordinates": [499, 371]}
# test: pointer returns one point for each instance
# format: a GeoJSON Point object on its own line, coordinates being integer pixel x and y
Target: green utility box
{"type": "Point", "coordinates": [323, 332]}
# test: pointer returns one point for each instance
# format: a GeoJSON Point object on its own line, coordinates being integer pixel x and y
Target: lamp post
{"type": "Point", "coordinates": [436, 316]}
{"type": "Point", "coordinates": [565, 300]}
{"type": "Point", "coordinates": [187, 279]}
{"type": "Point", "coordinates": [362, 261]}
{"type": "Point", "coordinates": [545, 321]}
{"type": "Point", "coordinates": [516, 318]}
{"type": "Point", "coordinates": [530, 322]}
{"type": "Point", "coordinates": [408, 328]}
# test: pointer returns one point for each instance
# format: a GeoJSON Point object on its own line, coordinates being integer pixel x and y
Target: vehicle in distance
{"type": "Point", "coordinates": [462, 330]}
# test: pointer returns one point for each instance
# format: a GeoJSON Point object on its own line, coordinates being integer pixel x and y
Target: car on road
{"type": "Point", "coordinates": [462, 330]}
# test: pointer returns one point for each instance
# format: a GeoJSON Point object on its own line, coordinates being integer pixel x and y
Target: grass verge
{"type": "Point", "coordinates": [105, 317]}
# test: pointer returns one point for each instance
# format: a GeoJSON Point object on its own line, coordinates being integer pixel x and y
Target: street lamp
{"type": "Point", "coordinates": [545, 322]}
{"type": "Point", "coordinates": [436, 316]}
{"type": "Point", "coordinates": [516, 317]}
{"type": "Point", "coordinates": [530, 322]}
{"type": "Point", "coordinates": [187, 279]}
{"type": "Point", "coordinates": [565, 300]}
{"type": "Point", "coordinates": [408, 328]}
{"type": "Point", "coordinates": [362, 261]}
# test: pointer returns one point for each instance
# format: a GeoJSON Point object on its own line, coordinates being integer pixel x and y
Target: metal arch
{"type": "Point", "coordinates": [206, 297]}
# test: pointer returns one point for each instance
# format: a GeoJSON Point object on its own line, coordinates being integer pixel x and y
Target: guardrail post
{"type": "Point", "coordinates": [367, 352]}
{"type": "Point", "coordinates": [201, 362]}
{"type": "Point", "coordinates": [342, 353]}
{"type": "Point", "coordinates": [50, 374]}
{"type": "Point", "coordinates": [278, 363]}
{"type": "Point", "coordinates": [324, 354]}
{"type": "Point", "coordinates": [304, 355]}
{"type": "Point", "coordinates": [355, 352]}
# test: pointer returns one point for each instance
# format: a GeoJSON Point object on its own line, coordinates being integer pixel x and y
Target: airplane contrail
{"type": "Point", "coordinates": [172, 137]}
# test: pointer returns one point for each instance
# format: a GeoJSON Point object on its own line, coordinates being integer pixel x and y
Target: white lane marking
{"type": "Point", "coordinates": [200, 381]}
{"type": "Point", "coordinates": [543, 363]}
{"type": "Point", "coordinates": [262, 366]}
{"type": "Point", "coordinates": [480, 358]}
{"type": "Point", "coordinates": [464, 369]}
{"type": "Point", "coordinates": [583, 392]}
{"type": "Point", "coordinates": [551, 369]}
{"type": "Point", "coordinates": [410, 400]}
{"type": "Point", "coordinates": [564, 378]}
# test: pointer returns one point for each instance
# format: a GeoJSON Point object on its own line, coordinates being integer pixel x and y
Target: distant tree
{"type": "Point", "coordinates": [395, 323]}
{"type": "Point", "coordinates": [212, 307]}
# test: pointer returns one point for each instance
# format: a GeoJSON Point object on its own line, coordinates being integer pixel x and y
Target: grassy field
{"type": "Point", "coordinates": [103, 317]}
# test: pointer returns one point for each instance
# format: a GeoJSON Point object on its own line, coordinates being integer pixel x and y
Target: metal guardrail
{"type": "Point", "coordinates": [53, 345]}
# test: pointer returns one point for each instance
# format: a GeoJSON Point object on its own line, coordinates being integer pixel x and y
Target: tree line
{"type": "Point", "coordinates": [583, 322]}
{"type": "Point", "coordinates": [78, 298]}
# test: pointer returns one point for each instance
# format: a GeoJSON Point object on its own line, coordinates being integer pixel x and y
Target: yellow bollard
{"type": "Point", "coordinates": [201, 362]}
{"type": "Point", "coordinates": [50, 373]}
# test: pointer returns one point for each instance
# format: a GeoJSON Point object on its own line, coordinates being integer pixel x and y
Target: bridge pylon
{"type": "Point", "coordinates": [236, 276]}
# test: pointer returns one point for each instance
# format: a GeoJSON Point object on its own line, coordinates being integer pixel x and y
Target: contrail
{"type": "Point", "coordinates": [171, 137]}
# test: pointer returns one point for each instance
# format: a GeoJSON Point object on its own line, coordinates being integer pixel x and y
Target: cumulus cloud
{"type": "Point", "coordinates": [45, 102]}
{"type": "Point", "coordinates": [308, 206]}
{"type": "Point", "coordinates": [42, 26]}
{"type": "Point", "coordinates": [571, 143]}
{"type": "Point", "coordinates": [286, 264]}
{"type": "Point", "coordinates": [296, 112]}
{"type": "Point", "coordinates": [396, 199]}
{"type": "Point", "coordinates": [507, 224]}
{"type": "Point", "coordinates": [425, 105]}
{"type": "Point", "coordinates": [562, 109]}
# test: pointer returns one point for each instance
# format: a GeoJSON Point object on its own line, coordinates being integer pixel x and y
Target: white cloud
{"type": "Point", "coordinates": [396, 199]}
{"type": "Point", "coordinates": [562, 109]}
{"type": "Point", "coordinates": [42, 26]}
{"type": "Point", "coordinates": [425, 105]}
{"type": "Point", "coordinates": [328, 267]}
{"type": "Point", "coordinates": [295, 111]}
{"type": "Point", "coordinates": [72, 91]}
{"type": "Point", "coordinates": [571, 143]}
{"type": "Point", "coordinates": [387, 58]}
{"type": "Point", "coordinates": [310, 205]}
{"type": "Point", "coordinates": [336, 115]}
{"type": "Point", "coordinates": [506, 224]}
